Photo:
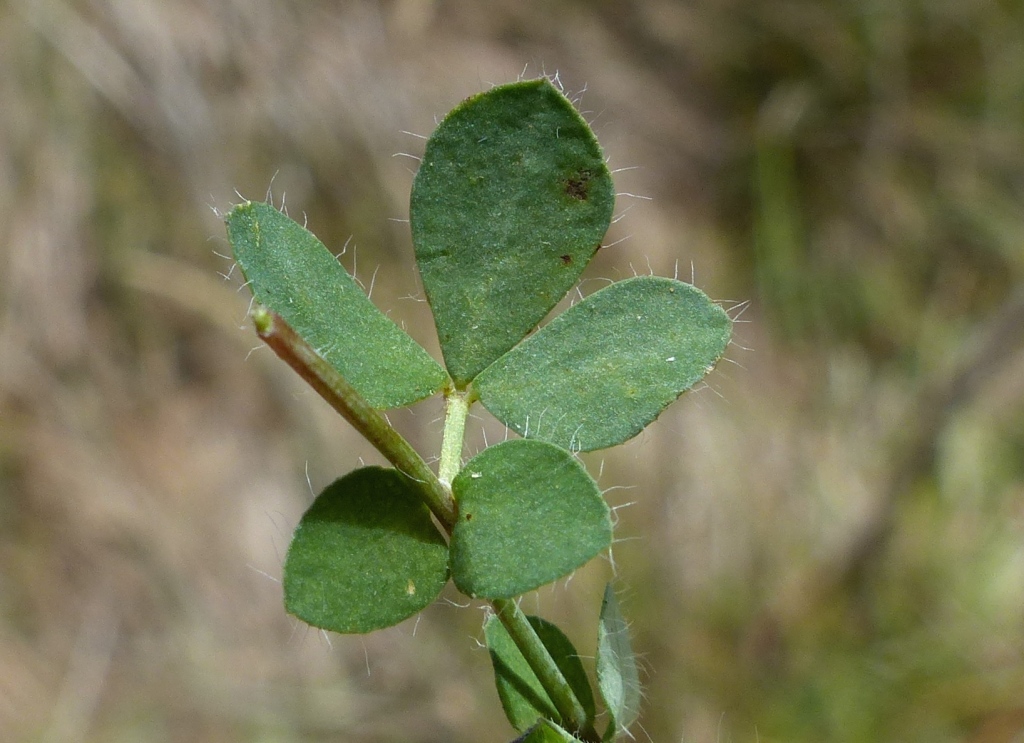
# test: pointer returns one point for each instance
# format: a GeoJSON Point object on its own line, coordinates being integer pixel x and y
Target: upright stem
{"type": "Point", "coordinates": [574, 717]}
{"type": "Point", "coordinates": [354, 408]}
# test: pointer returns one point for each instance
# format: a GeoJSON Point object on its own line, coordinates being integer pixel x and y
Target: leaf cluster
{"type": "Point", "coordinates": [511, 201]}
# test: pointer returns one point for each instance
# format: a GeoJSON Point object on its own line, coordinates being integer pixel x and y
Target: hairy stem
{"type": "Point", "coordinates": [457, 408]}
{"type": "Point", "coordinates": [574, 717]}
{"type": "Point", "coordinates": [354, 408]}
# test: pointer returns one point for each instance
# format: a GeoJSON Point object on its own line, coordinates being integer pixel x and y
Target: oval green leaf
{"type": "Point", "coordinates": [511, 201]}
{"type": "Point", "coordinates": [366, 555]}
{"type": "Point", "coordinates": [600, 372]}
{"type": "Point", "coordinates": [528, 514]}
{"type": "Point", "coordinates": [291, 272]}
{"type": "Point", "coordinates": [522, 695]}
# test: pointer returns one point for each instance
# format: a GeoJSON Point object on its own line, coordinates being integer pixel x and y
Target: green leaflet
{"type": "Point", "coordinates": [510, 203]}
{"type": "Point", "coordinates": [528, 514]}
{"type": "Point", "coordinates": [366, 555]}
{"type": "Point", "coordinates": [600, 372]}
{"type": "Point", "coordinates": [291, 272]}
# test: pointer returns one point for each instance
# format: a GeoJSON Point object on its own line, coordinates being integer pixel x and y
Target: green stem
{"type": "Point", "coordinates": [457, 408]}
{"type": "Point", "coordinates": [574, 717]}
{"type": "Point", "coordinates": [354, 408]}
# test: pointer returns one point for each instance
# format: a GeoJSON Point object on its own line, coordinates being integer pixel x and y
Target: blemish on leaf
{"type": "Point", "coordinates": [469, 517]}
{"type": "Point", "coordinates": [410, 589]}
{"type": "Point", "coordinates": [577, 186]}
{"type": "Point", "coordinates": [566, 259]}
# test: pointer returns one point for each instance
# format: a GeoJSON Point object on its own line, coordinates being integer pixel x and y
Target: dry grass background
{"type": "Point", "coordinates": [825, 545]}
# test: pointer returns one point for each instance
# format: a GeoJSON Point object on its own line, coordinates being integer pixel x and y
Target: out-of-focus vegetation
{"type": "Point", "coordinates": [831, 548]}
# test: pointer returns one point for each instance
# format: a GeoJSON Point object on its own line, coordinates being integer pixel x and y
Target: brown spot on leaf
{"type": "Point", "coordinates": [566, 259]}
{"type": "Point", "coordinates": [469, 517]}
{"type": "Point", "coordinates": [578, 185]}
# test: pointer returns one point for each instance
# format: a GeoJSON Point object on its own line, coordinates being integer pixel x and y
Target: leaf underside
{"type": "Point", "coordinates": [528, 514]}
{"type": "Point", "coordinates": [617, 677]}
{"type": "Point", "coordinates": [291, 272]}
{"type": "Point", "coordinates": [366, 555]}
{"type": "Point", "coordinates": [600, 372]}
{"type": "Point", "coordinates": [511, 201]}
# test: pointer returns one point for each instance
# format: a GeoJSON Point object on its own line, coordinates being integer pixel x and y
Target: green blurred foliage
{"type": "Point", "coordinates": [833, 552]}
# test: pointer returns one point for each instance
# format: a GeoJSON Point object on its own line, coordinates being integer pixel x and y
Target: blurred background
{"type": "Point", "coordinates": [824, 543]}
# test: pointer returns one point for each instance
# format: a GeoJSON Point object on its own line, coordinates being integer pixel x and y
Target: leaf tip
{"type": "Point", "coordinates": [262, 319]}
{"type": "Point", "coordinates": [241, 206]}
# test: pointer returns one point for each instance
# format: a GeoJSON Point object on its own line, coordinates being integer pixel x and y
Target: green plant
{"type": "Point", "coordinates": [511, 201]}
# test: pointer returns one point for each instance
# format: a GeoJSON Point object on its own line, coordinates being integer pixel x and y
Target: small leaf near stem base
{"type": "Point", "coordinates": [523, 698]}
{"type": "Point", "coordinates": [574, 716]}
{"type": "Point", "coordinates": [617, 677]}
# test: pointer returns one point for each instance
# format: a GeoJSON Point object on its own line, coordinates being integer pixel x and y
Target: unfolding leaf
{"type": "Point", "coordinates": [617, 676]}
{"type": "Point", "coordinates": [510, 203]}
{"type": "Point", "coordinates": [522, 695]}
{"type": "Point", "coordinates": [601, 371]}
{"type": "Point", "coordinates": [291, 272]}
{"type": "Point", "coordinates": [528, 514]}
{"type": "Point", "coordinates": [366, 555]}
